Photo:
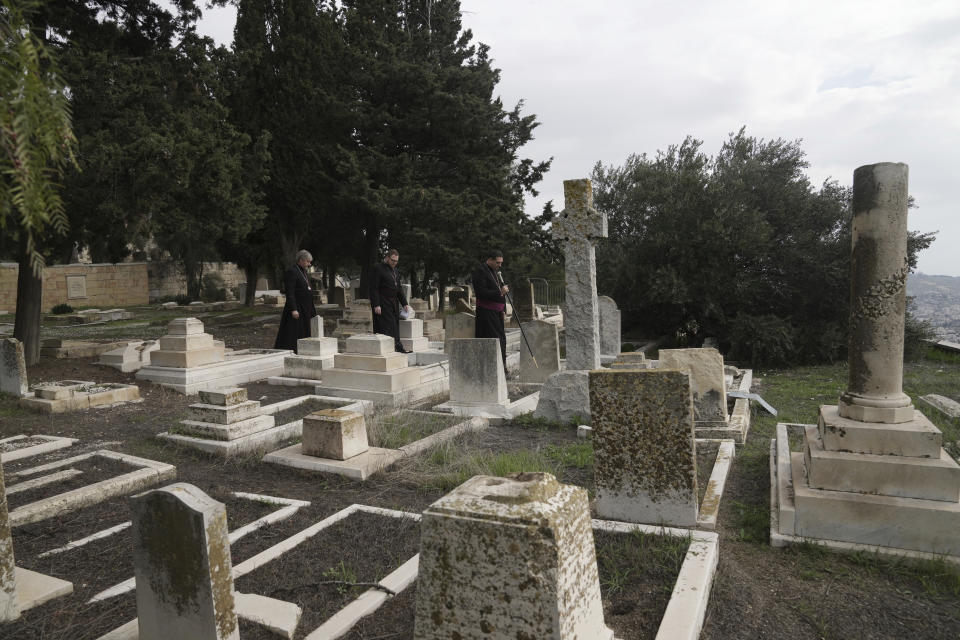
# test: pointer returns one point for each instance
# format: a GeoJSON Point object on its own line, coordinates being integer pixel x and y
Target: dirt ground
{"type": "Point", "coordinates": [759, 592]}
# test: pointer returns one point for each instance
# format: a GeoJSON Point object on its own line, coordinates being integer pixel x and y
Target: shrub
{"type": "Point", "coordinates": [182, 299]}
{"type": "Point", "coordinates": [766, 339]}
{"type": "Point", "coordinates": [62, 308]}
{"type": "Point", "coordinates": [214, 288]}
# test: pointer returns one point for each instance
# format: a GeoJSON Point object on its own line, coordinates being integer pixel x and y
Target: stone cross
{"type": "Point", "coordinates": [878, 279]}
{"type": "Point", "coordinates": [578, 226]}
{"type": "Point", "coordinates": [181, 560]}
{"type": "Point", "coordinates": [509, 558]}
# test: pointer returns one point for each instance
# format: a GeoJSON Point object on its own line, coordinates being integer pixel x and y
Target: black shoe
{"type": "Point", "coordinates": [400, 349]}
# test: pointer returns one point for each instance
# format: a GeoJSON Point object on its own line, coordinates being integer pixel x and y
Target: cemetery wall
{"type": "Point", "coordinates": [111, 285]}
{"type": "Point", "coordinates": [81, 285]}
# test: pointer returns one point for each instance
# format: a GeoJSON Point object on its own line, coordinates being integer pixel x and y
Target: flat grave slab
{"type": "Point", "coordinates": [22, 446]}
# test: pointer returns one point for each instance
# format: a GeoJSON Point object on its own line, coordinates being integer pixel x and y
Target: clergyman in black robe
{"type": "Point", "coordinates": [386, 298]}
{"type": "Point", "coordinates": [299, 308]}
{"type": "Point", "coordinates": [491, 302]}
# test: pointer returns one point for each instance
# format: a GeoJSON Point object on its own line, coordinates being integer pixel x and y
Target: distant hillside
{"type": "Point", "coordinates": [937, 300]}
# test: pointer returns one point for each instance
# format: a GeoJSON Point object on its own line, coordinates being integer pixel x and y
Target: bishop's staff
{"type": "Point", "coordinates": [520, 324]}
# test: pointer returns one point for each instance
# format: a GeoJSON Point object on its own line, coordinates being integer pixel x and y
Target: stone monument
{"type": "Point", "coordinates": [565, 394]}
{"type": "Point", "coordinates": [707, 382]}
{"type": "Point", "coordinates": [873, 470]}
{"type": "Point", "coordinates": [645, 455]}
{"type": "Point", "coordinates": [544, 340]}
{"type": "Point", "coordinates": [509, 558]}
{"type": "Point", "coordinates": [609, 326]}
{"type": "Point", "coordinates": [13, 367]}
{"type": "Point", "coordinates": [181, 560]}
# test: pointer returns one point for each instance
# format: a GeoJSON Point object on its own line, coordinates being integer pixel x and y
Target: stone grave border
{"type": "Point", "coordinates": [114, 393]}
{"type": "Point", "coordinates": [365, 465]}
{"type": "Point", "coordinates": [710, 505]}
{"type": "Point", "coordinates": [288, 508]}
{"type": "Point", "coordinates": [149, 473]}
{"type": "Point", "coordinates": [682, 619]}
{"type": "Point", "coordinates": [779, 451]}
{"type": "Point", "coordinates": [268, 437]}
{"type": "Point", "coordinates": [52, 444]}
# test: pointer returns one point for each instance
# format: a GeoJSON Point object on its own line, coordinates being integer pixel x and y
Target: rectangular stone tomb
{"type": "Point", "coordinates": [73, 395]}
{"type": "Point", "coordinates": [334, 433]}
{"type": "Point", "coordinates": [644, 451]}
{"type": "Point", "coordinates": [130, 358]}
{"type": "Point", "coordinates": [237, 367]}
{"type": "Point", "coordinates": [17, 447]}
{"type": "Point", "coordinates": [145, 474]}
{"type": "Point", "coordinates": [707, 382]}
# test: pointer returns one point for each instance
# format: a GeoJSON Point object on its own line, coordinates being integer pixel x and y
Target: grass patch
{"type": "Point", "coordinates": [575, 454]}
{"type": "Point", "coordinates": [621, 558]}
{"type": "Point", "coordinates": [403, 427]}
{"type": "Point", "coordinates": [529, 421]}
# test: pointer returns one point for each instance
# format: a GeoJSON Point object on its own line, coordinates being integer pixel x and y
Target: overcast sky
{"type": "Point", "coordinates": [859, 81]}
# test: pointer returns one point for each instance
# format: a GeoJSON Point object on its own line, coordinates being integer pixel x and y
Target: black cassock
{"type": "Point", "coordinates": [491, 305]}
{"type": "Point", "coordinates": [299, 298]}
{"type": "Point", "coordinates": [386, 293]}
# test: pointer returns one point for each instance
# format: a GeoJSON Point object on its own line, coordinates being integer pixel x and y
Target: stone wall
{"type": "Point", "coordinates": [82, 285]}
{"type": "Point", "coordinates": [167, 278]}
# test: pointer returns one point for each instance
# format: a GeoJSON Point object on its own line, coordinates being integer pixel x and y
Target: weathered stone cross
{"type": "Point", "coordinates": [579, 225]}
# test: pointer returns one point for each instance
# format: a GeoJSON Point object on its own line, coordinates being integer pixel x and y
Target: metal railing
{"type": "Point", "coordinates": [548, 292]}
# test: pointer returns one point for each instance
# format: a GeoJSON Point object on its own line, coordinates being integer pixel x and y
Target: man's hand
{"type": "Point", "coordinates": [504, 290]}
{"type": "Point", "coordinates": [407, 308]}
{"type": "Point", "coordinates": [296, 314]}
{"type": "Point", "coordinates": [376, 310]}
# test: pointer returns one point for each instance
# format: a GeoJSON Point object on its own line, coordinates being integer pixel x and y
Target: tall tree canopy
{"type": "Point", "coordinates": [739, 246]}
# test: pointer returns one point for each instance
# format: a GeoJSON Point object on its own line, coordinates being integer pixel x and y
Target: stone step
{"type": "Point", "coordinates": [370, 344]}
{"type": "Point", "coordinates": [186, 343]}
{"type": "Point", "coordinates": [363, 362]}
{"type": "Point", "coordinates": [220, 414]}
{"type": "Point", "coordinates": [308, 367]}
{"type": "Point", "coordinates": [396, 380]}
{"type": "Point", "coordinates": [918, 438]}
{"type": "Point", "coordinates": [903, 476]}
{"type": "Point", "coordinates": [186, 359]}
{"type": "Point", "coordinates": [904, 523]}
{"type": "Point", "coordinates": [323, 347]}
{"type": "Point", "coordinates": [227, 432]}
{"type": "Point", "coordinates": [224, 397]}
{"type": "Point", "coordinates": [415, 344]}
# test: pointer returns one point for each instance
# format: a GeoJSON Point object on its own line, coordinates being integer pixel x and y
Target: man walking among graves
{"type": "Point", "coordinates": [299, 307]}
{"type": "Point", "coordinates": [386, 298]}
{"type": "Point", "coordinates": [491, 303]}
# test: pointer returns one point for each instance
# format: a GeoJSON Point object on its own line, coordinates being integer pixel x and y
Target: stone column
{"type": "Point", "coordinates": [579, 225]}
{"type": "Point", "coordinates": [181, 560]}
{"type": "Point", "coordinates": [509, 558]}
{"type": "Point", "coordinates": [9, 605]}
{"type": "Point", "coordinates": [878, 296]}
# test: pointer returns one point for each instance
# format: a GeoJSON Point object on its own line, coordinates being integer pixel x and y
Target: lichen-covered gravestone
{"type": "Point", "coordinates": [645, 465]}
{"type": "Point", "coordinates": [9, 607]}
{"type": "Point", "coordinates": [509, 558]}
{"type": "Point", "coordinates": [181, 560]}
{"type": "Point", "coordinates": [476, 372]}
{"type": "Point", "coordinates": [13, 367]}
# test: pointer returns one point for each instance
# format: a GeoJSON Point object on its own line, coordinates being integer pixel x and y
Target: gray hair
{"type": "Point", "coordinates": [303, 254]}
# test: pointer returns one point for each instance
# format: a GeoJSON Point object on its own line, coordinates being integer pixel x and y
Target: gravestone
{"type": "Point", "coordinates": [316, 326]}
{"type": "Point", "coordinates": [578, 227]}
{"type": "Point", "coordinates": [459, 325]}
{"type": "Point", "coordinates": [565, 394]}
{"type": "Point", "coordinates": [411, 335]}
{"type": "Point", "coordinates": [476, 372]}
{"type": "Point", "coordinates": [707, 382]}
{"type": "Point", "coordinates": [509, 558]}
{"type": "Point", "coordinates": [9, 605]}
{"type": "Point", "coordinates": [543, 338]}
{"type": "Point", "coordinates": [524, 304]}
{"type": "Point", "coordinates": [181, 560]}
{"type": "Point", "coordinates": [609, 326]}
{"type": "Point", "coordinates": [13, 367]}
{"type": "Point", "coordinates": [339, 297]}
{"type": "Point", "coordinates": [645, 465]}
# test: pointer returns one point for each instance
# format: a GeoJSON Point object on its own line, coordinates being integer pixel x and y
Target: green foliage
{"type": "Point", "coordinates": [214, 289]}
{"type": "Point", "coordinates": [739, 246]}
{"type": "Point", "coordinates": [61, 309]}
{"type": "Point", "coordinates": [576, 454]}
{"type": "Point", "coordinates": [182, 299]}
{"type": "Point", "coordinates": [917, 335]}
{"type": "Point", "coordinates": [36, 138]}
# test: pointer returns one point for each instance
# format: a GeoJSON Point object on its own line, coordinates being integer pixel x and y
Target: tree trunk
{"type": "Point", "coordinates": [26, 327]}
{"type": "Point", "coordinates": [368, 258]}
{"type": "Point", "coordinates": [289, 245]}
{"type": "Point", "coordinates": [331, 273]}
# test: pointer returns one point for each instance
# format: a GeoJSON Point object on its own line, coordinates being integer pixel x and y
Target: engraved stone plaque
{"type": "Point", "coordinates": [76, 287]}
